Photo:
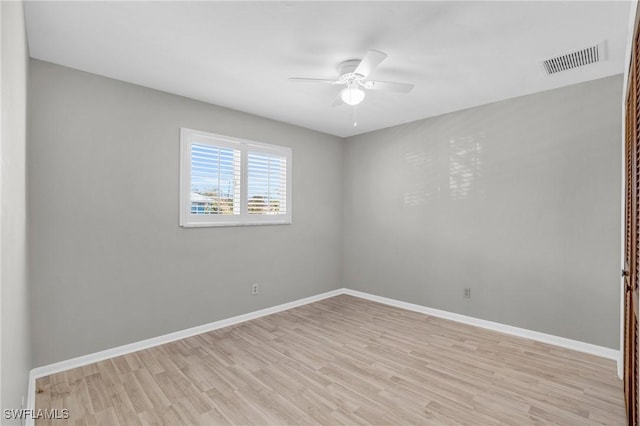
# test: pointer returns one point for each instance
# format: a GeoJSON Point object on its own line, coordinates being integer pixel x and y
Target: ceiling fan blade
{"type": "Point", "coordinates": [312, 80]}
{"type": "Point", "coordinates": [389, 86]}
{"type": "Point", "coordinates": [370, 62]}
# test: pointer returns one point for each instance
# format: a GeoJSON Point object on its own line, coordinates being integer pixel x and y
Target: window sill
{"type": "Point", "coordinates": [217, 225]}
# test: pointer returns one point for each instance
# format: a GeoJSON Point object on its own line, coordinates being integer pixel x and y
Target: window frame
{"type": "Point", "coordinates": [189, 220]}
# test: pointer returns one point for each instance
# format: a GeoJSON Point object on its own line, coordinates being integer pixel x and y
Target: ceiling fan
{"type": "Point", "coordinates": [353, 75]}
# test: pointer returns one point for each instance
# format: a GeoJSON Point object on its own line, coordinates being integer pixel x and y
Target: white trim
{"type": "Point", "coordinates": [31, 399]}
{"type": "Point", "coordinates": [495, 326]}
{"type": "Point", "coordinates": [171, 337]}
{"type": "Point", "coordinates": [625, 81]}
{"type": "Point", "coordinates": [68, 364]}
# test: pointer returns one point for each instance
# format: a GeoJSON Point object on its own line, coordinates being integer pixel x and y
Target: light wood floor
{"type": "Point", "coordinates": [343, 360]}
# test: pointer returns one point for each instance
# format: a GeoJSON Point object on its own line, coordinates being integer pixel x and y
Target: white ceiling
{"type": "Point", "coordinates": [240, 54]}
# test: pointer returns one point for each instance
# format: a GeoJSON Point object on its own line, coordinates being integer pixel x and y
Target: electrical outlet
{"type": "Point", "coordinates": [255, 288]}
{"type": "Point", "coordinates": [467, 293]}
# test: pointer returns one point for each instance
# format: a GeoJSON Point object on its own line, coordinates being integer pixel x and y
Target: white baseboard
{"type": "Point", "coordinates": [31, 399]}
{"type": "Point", "coordinates": [160, 340]}
{"type": "Point", "coordinates": [620, 362]}
{"type": "Point", "coordinates": [562, 342]}
{"type": "Point", "coordinates": [171, 337]}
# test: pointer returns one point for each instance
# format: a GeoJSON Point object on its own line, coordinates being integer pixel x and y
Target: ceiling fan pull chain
{"type": "Point", "coordinates": [355, 123]}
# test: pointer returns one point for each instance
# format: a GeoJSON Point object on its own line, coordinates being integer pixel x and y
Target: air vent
{"type": "Point", "coordinates": [574, 59]}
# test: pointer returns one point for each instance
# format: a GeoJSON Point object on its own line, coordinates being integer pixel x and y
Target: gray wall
{"type": "Point", "coordinates": [109, 263]}
{"type": "Point", "coordinates": [518, 200]}
{"type": "Point", "coordinates": [15, 354]}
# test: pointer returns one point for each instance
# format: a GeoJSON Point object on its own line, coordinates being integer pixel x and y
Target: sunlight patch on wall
{"type": "Point", "coordinates": [449, 170]}
{"type": "Point", "coordinates": [465, 166]}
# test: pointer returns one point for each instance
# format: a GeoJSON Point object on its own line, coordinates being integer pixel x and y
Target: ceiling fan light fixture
{"type": "Point", "coordinates": [352, 95]}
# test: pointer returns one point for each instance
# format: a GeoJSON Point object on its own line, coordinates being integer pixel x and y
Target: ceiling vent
{"type": "Point", "coordinates": [574, 59]}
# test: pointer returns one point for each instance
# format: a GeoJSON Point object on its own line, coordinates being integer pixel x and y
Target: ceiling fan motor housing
{"type": "Point", "coordinates": [347, 75]}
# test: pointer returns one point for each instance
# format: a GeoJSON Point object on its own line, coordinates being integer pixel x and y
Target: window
{"type": "Point", "coordinates": [226, 181]}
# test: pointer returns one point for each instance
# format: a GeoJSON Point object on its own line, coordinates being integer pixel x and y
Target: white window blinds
{"type": "Point", "coordinates": [267, 183]}
{"type": "Point", "coordinates": [215, 180]}
{"type": "Point", "coordinates": [230, 181]}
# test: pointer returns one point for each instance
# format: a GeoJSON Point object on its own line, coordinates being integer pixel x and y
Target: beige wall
{"type": "Point", "coordinates": [518, 200]}
{"type": "Point", "coordinates": [15, 343]}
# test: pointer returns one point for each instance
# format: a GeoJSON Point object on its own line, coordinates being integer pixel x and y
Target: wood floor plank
{"type": "Point", "coordinates": [342, 360]}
